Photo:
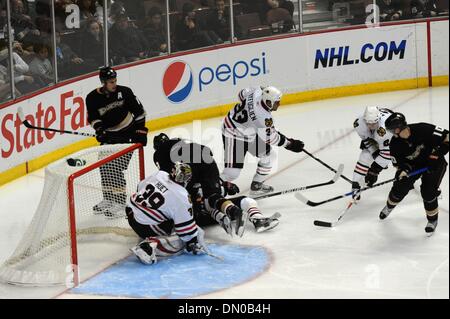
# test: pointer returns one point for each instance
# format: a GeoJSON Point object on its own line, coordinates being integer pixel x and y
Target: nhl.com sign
{"type": "Point", "coordinates": [180, 79]}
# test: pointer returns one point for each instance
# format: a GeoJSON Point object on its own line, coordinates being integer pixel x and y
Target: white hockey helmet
{"type": "Point", "coordinates": [372, 115]}
{"type": "Point", "coordinates": [271, 96]}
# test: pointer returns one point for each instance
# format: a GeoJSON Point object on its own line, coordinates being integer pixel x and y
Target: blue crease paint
{"type": "Point", "coordinates": [181, 276]}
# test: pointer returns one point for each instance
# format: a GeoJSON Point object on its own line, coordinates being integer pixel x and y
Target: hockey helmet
{"type": "Point", "coordinates": [271, 97]}
{"type": "Point", "coordinates": [107, 73]}
{"type": "Point", "coordinates": [396, 121]}
{"type": "Point", "coordinates": [159, 140]}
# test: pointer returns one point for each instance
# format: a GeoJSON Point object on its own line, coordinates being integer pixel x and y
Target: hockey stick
{"type": "Point", "coordinates": [326, 165]}
{"type": "Point", "coordinates": [294, 190]}
{"type": "Point", "coordinates": [302, 198]}
{"type": "Point", "coordinates": [334, 224]}
{"type": "Point", "coordinates": [208, 253]}
{"type": "Point", "coordinates": [30, 126]}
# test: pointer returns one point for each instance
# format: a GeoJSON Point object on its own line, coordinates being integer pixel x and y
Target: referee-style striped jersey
{"type": "Point", "coordinates": [159, 199]}
{"type": "Point", "coordinates": [250, 119]}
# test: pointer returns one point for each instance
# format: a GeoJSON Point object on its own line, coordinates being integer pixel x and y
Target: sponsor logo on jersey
{"type": "Point", "coordinates": [381, 131]}
{"type": "Point", "coordinates": [179, 77]}
{"type": "Point", "coordinates": [416, 153]}
{"type": "Point", "coordinates": [178, 82]}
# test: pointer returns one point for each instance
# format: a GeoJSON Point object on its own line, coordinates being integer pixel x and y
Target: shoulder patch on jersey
{"type": "Point", "coordinates": [269, 122]}
{"type": "Point", "coordinates": [356, 123]}
{"type": "Point", "coordinates": [381, 131]}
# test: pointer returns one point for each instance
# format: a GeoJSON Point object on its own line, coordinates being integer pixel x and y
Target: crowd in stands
{"type": "Point", "coordinates": [137, 29]}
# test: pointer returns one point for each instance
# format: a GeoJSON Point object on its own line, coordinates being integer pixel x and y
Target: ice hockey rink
{"type": "Point", "coordinates": [360, 258]}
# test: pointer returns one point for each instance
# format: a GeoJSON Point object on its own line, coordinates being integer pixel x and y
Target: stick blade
{"type": "Point", "coordinates": [338, 173]}
{"type": "Point", "coordinates": [304, 200]}
{"type": "Point", "coordinates": [319, 223]}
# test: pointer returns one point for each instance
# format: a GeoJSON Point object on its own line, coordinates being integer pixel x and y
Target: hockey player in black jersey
{"type": "Point", "coordinates": [206, 185]}
{"type": "Point", "coordinates": [413, 147]}
{"type": "Point", "coordinates": [118, 117]}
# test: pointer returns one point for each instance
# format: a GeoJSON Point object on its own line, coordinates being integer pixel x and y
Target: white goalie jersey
{"type": "Point", "coordinates": [159, 199]}
{"type": "Point", "coordinates": [377, 140]}
{"type": "Point", "coordinates": [249, 119]}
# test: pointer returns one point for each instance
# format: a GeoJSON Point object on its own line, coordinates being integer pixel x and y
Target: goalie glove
{"type": "Point", "coordinates": [295, 146]}
{"type": "Point", "coordinates": [372, 174]}
{"type": "Point", "coordinates": [197, 246]}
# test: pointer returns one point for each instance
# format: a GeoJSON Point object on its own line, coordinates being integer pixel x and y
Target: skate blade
{"type": "Point", "coordinates": [241, 230]}
{"type": "Point", "coordinates": [271, 226]}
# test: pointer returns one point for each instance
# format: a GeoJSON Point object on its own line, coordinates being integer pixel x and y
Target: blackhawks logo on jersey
{"type": "Point", "coordinates": [381, 131]}
{"type": "Point", "coordinates": [269, 122]}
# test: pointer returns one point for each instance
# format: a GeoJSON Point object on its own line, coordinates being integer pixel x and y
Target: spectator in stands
{"type": "Point", "coordinates": [69, 63]}
{"type": "Point", "coordinates": [189, 33]}
{"type": "Point", "coordinates": [423, 8]}
{"type": "Point", "coordinates": [279, 18]}
{"type": "Point", "coordinates": [390, 10]}
{"type": "Point", "coordinates": [88, 10]}
{"type": "Point", "coordinates": [155, 32]}
{"type": "Point", "coordinates": [41, 67]}
{"type": "Point", "coordinates": [92, 47]}
{"type": "Point", "coordinates": [22, 24]}
{"type": "Point", "coordinates": [117, 10]}
{"type": "Point", "coordinates": [218, 20]}
{"type": "Point", "coordinates": [127, 43]}
{"type": "Point", "coordinates": [24, 82]}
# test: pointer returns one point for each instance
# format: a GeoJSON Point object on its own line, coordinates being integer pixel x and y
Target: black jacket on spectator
{"type": "Point", "coordinates": [423, 8]}
{"type": "Point", "coordinates": [127, 43]}
{"type": "Point", "coordinates": [91, 50]}
{"type": "Point", "coordinates": [187, 39]}
{"type": "Point", "coordinates": [390, 7]}
{"type": "Point", "coordinates": [156, 36]}
{"type": "Point", "coordinates": [220, 25]}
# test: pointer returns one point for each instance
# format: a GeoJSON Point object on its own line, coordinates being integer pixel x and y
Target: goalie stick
{"type": "Point", "coordinates": [30, 126]}
{"type": "Point", "coordinates": [303, 199]}
{"type": "Point", "coordinates": [294, 190]}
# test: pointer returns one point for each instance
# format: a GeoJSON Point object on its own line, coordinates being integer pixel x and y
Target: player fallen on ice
{"type": "Point", "coordinates": [249, 127]}
{"type": "Point", "coordinates": [206, 217]}
{"type": "Point", "coordinates": [118, 117]}
{"type": "Point", "coordinates": [160, 213]}
{"type": "Point", "coordinates": [206, 177]}
{"type": "Point", "coordinates": [375, 153]}
{"type": "Point", "coordinates": [413, 147]}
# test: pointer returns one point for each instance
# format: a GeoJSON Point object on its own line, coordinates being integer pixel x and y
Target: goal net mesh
{"type": "Point", "coordinates": [103, 178]}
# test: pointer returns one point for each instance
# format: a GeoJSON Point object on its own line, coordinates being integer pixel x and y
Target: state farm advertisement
{"type": "Point", "coordinates": [62, 109]}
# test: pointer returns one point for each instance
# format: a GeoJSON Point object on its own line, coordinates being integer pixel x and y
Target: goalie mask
{"type": "Point", "coordinates": [181, 173]}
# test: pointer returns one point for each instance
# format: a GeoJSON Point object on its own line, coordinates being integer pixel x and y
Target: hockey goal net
{"type": "Point", "coordinates": [83, 202]}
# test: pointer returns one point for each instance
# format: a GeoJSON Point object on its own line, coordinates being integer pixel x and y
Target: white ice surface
{"type": "Point", "coordinates": [361, 258]}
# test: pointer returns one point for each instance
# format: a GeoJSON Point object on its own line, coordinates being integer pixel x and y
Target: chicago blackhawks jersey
{"type": "Point", "coordinates": [159, 199]}
{"type": "Point", "coordinates": [250, 119]}
{"type": "Point", "coordinates": [376, 141]}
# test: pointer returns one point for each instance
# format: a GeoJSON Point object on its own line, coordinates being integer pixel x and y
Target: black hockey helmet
{"type": "Point", "coordinates": [396, 121]}
{"type": "Point", "coordinates": [107, 73]}
{"type": "Point", "coordinates": [159, 140]}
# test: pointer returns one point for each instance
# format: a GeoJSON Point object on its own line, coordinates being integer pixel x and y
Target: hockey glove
{"type": "Point", "coordinates": [372, 174]}
{"type": "Point", "coordinates": [356, 191]}
{"type": "Point", "coordinates": [231, 189]}
{"type": "Point", "coordinates": [140, 136]}
{"type": "Point", "coordinates": [194, 247]}
{"type": "Point", "coordinates": [403, 172]}
{"type": "Point", "coordinates": [295, 146]}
